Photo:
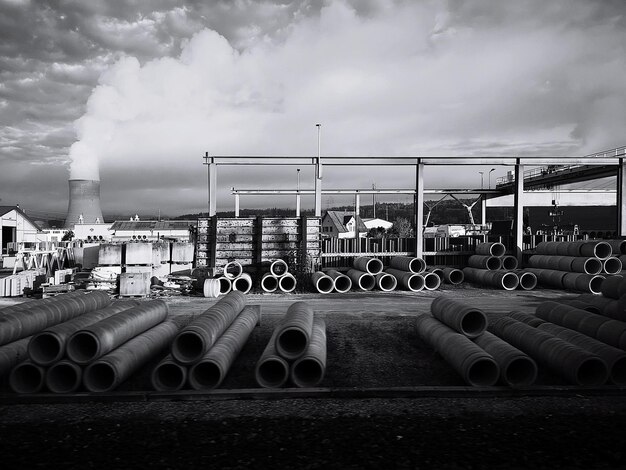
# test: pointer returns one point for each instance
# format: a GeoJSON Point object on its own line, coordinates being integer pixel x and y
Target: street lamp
{"type": "Point", "coordinates": [493, 169]}
{"type": "Point", "coordinates": [481, 179]}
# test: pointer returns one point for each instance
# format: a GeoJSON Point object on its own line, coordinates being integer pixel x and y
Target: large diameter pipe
{"type": "Point", "coordinates": [438, 271]}
{"type": "Point", "coordinates": [17, 323]}
{"type": "Point", "coordinates": [269, 283]}
{"type": "Point", "coordinates": [210, 371]}
{"type": "Point", "coordinates": [368, 264]}
{"type": "Point", "coordinates": [597, 249]}
{"type": "Point", "coordinates": [322, 283]}
{"type": "Point", "coordinates": [194, 341]}
{"type": "Point", "coordinates": [527, 318]}
{"type": "Point", "coordinates": [527, 280]}
{"type": "Point", "coordinates": [583, 282]}
{"type": "Point", "coordinates": [271, 370]}
{"type": "Point", "coordinates": [509, 263]}
{"type": "Point", "coordinates": [431, 281]}
{"type": "Point", "coordinates": [96, 340]}
{"type": "Point", "coordinates": [48, 346]}
{"type": "Point", "coordinates": [226, 284]}
{"type": "Point", "coordinates": [386, 282]}
{"type": "Point", "coordinates": [484, 262]}
{"type": "Point", "coordinates": [408, 280]}
{"type": "Point", "coordinates": [567, 263]}
{"type": "Point", "coordinates": [612, 265]}
{"type": "Point", "coordinates": [408, 263]}
{"type": "Point", "coordinates": [168, 375]}
{"type": "Point", "coordinates": [459, 316]}
{"type": "Point", "coordinates": [342, 282]}
{"type": "Point", "coordinates": [606, 306]}
{"type": "Point", "coordinates": [614, 358]}
{"type": "Point", "coordinates": [618, 247]}
{"type": "Point", "coordinates": [64, 377]}
{"type": "Point", "coordinates": [453, 276]}
{"type": "Point", "coordinates": [294, 333]}
{"type": "Point", "coordinates": [309, 369]}
{"type": "Point", "coordinates": [12, 354]}
{"type": "Point", "coordinates": [243, 283]}
{"type": "Point", "coordinates": [548, 277]}
{"type": "Point", "coordinates": [27, 377]}
{"type": "Point", "coordinates": [613, 287]}
{"type": "Point", "coordinates": [287, 283]}
{"type": "Point", "coordinates": [501, 279]}
{"type": "Point", "coordinates": [233, 270]}
{"type": "Point", "coordinates": [517, 369]}
{"type": "Point", "coordinates": [575, 364]}
{"type": "Point", "coordinates": [496, 249]}
{"type": "Point", "coordinates": [108, 372]}
{"type": "Point", "coordinates": [582, 305]}
{"type": "Point", "coordinates": [471, 362]}
{"type": "Point", "coordinates": [279, 267]}
{"type": "Point", "coordinates": [363, 280]}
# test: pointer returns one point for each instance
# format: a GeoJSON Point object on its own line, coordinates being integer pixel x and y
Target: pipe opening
{"type": "Point", "coordinates": [63, 378]}
{"type": "Point", "coordinates": [169, 376]}
{"type": "Point", "coordinates": [99, 377]}
{"type": "Point", "coordinates": [618, 372]}
{"type": "Point", "coordinates": [343, 284]}
{"type": "Point", "coordinates": [497, 249]}
{"type": "Point", "coordinates": [242, 284]}
{"type": "Point", "coordinates": [592, 266]}
{"type": "Point", "coordinates": [431, 281]}
{"type": "Point", "coordinates": [292, 342]}
{"type": "Point", "coordinates": [233, 269]}
{"type": "Point", "coordinates": [269, 283]}
{"type": "Point", "coordinates": [602, 250]}
{"type": "Point", "coordinates": [595, 284]}
{"type": "Point", "coordinates": [509, 263]}
{"type": "Point", "coordinates": [324, 285]}
{"type": "Point", "coordinates": [307, 373]}
{"type": "Point", "coordinates": [493, 263]}
{"type": "Point", "coordinates": [612, 266]}
{"type": "Point", "coordinates": [279, 267]}
{"type": "Point", "coordinates": [592, 372]}
{"type": "Point", "coordinates": [456, 276]}
{"type": "Point", "coordinates": [482, 373]}
{"type": "Point", "coordinates": [367, 282]}
{"type": "Point", "coordinates": [387, 282]}
{"type": "Point", "coordinates": [527, 281]}
{"type": "Point", "coordinates": [417, 265]}
{"type": "Point", "coordinates": [45, 348]}
{"type": "Point", "coordinates": [187, 347]}
{"type": "Point", "coordinates": [83, 347]}
{"type": "Point", "coordinates": [225, 285]}
{"type": "Point", "coordinates": [520, 372]}
{"type": "Point", "coordinates": [416, 283]}
{"type": "Point", "coordinates": [272, 373]}
{"type": "Point", "coordinates": [287, 283]}
{"type": "Point", "coordinates": [473, 323]}
{"type": "Point", "coordinates": [205, 375]}
{"type": "Point", "coordinates": [510, 281]}
{"type": "Point", "coordinates": [374, 266]}
{"type": "Point", "coordinates": [26, 378]}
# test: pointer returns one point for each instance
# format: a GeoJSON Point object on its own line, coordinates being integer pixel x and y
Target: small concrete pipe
{"type": "Point", "coordinates": [96, 340]}
{"type": "Point", "coordinates": [386, 282]}
{"type": "Point", "coordinates": [294, 333]}
{"type": "Point", "coordinates": [484, 262]}
{"type": "Point", "coordinates": [368, 264]}
{"type": "Point", "coordinates": [12, 354]}
{"type": "Point", "coordinates": [431, 281]}
{"type": "Point", "coordinates": [527, 318]}
{"type": "Point", "coordinates": [471, 362]}
{"type": "Point", "coordinates": [279, 267]}
{"type": "Point", "coordinates": [243, 283]}
{"type": "Point", "coordinates": [322, 283]}
{"type": "Point", "coordinates": [210, 371]}
{"type": "Point", "coordinates": [575, 364]}
{"type": "Point", "coordinates": [232, 270]}
{"type": "Point", "coordinates": [613, 287]}
{"type": "Point", "coordinates": [17, 323]}
{"type": "Point", "coordinates": [408, 263]}
{"type": "Point", "coordinates": [269, 283]}
{"type": "Point", "coordinates": [362, 279]}
{"type": "Point", "coordinates": [496, 249]}
{"type": "Point", "coordinates": [211, 288]}
{"type": "Point", "coordinates": [527, 280]}
{"type": "Point", "coordinates": [459, 316]}
{"type": "Point", "coordinates": [453, 276]}
{"type": "Point", "coordinates": [566, 263]}
{"type": "Point", "coordinates": [583, 282]}
{"type": "Point", "coordinates": [614, 358]}
{"type": "Point", "coordinates": [548, 277]}
{"type": "Point", "coordinates": [342, 282]}
{"type": "Point", "coordinates": [509, 263]}
{"type": "Point", "coordinates": [408, 280]}
{"type": "Point", "coordinates": [64, 377]}
{"type": "Point", "coordinates": [27, 377]}
{"type": "Point", "coordinates": [48, 346]}
{"type": "Point", "coordinates": [287, 283]}
{"type": "Point", "coordinates": [612, 265]}
{"type": "Point", "coordinates": [309, 369]}
{"type": "Point", "coordinates": [517, 369]}
{"type": "Point", "coordinates": [109, 371]}
{"type": "Point", "coordinates": [168, 375]}
{"type": "Point", "coordinates": [194, 341]}
{"type": "Point", "coordinates": [271, 371]}
{"type": "Point", "coordinates": [226, 284]}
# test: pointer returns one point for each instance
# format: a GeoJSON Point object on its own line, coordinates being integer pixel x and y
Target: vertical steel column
{"type": "Point", "coordinates": [211, 184]}
{"type": "Point", "coordinates": [298, 205]}
{"type": "Point", "coordinates": [236, 204]}
{"type": "Point", "coordinates": [318, 188]}
{"type": "Point", "coordinates": [518, 210]}
{"type": "Point", "coordinates": [483, 210]}
{"type": "Point", "coordinates": [419, 208]}
{"type": "Point", "coordinates": [357, 210]}
{"type": "Point", "coordinates": [621, 199]}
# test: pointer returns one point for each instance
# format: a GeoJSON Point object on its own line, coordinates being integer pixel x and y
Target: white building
{"type": "Point", "coordinates": [17, 228]}
{"type": "Point", "coordinates": [151, 230]}
{"type": "Point", "coordinates": [342, 224]}
{"type": "Point", "coordinates": [377, 223]}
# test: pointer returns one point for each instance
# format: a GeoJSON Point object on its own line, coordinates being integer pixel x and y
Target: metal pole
{"type": "Point", "coordinates": [481, 179]}
{"type": "Point", "coordinates": [493, 169]}
{"type": "Point", "coordinates": [298, 195]}
{"type": "Point", "coordinates": [621, 198]}
{"type": "Point", "coordinates": [419, 209]}
{"type": "Point", "coordinates": [318, 174]}
{"type": "Point", "coordinates": [518, 202]}
{"type": "Point", "coordinates": [211, 184]}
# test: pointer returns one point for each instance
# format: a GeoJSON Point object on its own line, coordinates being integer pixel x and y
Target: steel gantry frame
{"type": "Point", "coordinates": [419, 163]}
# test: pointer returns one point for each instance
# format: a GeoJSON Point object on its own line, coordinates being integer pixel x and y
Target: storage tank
{"type": "Point", "coordinates": [84, 201]}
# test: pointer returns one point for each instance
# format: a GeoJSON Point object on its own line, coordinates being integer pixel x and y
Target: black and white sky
{"type": "Point", "coordinates": [134, 92]}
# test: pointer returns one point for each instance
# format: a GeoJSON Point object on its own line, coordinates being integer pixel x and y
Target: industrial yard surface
{"type": "Point", "coordinates": [372, 344]}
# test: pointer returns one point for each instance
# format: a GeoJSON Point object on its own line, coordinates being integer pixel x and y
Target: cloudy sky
{"type": "Point", "coordinates": [135, 92]}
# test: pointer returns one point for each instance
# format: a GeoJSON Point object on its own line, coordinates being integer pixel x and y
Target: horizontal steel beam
{"type": "Point", "coordinates": [307, 192]}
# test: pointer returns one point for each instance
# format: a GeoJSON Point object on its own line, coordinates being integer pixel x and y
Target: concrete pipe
{"type": "Point", "coordinates": [48, 346]}
{"type": "Point", "coordinates": [586, 265]}
{"type": "Point", "coordinates": [18, 323]}
{"type": "Point", "coordinates": [583, 305]}
{"type": "Point", "coordinates": [459, 316]}
{"type": "Point", "coordinates": [322, 283]}
{"type": "Point", "coordinates": [287, 283]}
{"type": "Point", "coordinates": [527, 318]}
{"type": "Point", "coordinates": [527, 280]}
{"type": "Point", "coordinates": [226, 284]}
{"type": "Point", "coordinates": [12, 354]}
{"type": "Point", "coordinates": [546, 248]}
{"type": "Point", "coordinates": [583, 282]}
{"type": "Point", "coordinates": [614, 358]}
{"type": "Point", "coordinates": [271, 371]}
{"type": "Point", "coordinates": [342, 282]}
{"type": "Point", "coordinates": [386, 282]}
{"type": "Point", "coordinates": [243, 283]}
{"type": "Point", "coordinates": [437, 271]}
{"type": "Point", "coordinates": [309, 369]}
{"type": "Point", "coordinates": [27, 377]}
{"type": "Point", "coordinates": [64, 377]}
{"type": "Point", "coordinates": [362, 279]}
{"type": "Point", "coordinates": [269, 283]}
{"type": "Point", "coordinates": [211, 288]}
{"type": "Point", "coordinates": [597, 249]}
{"type": "Point", "coordinates": [612, 265]}
{"type": "Point", "coordinates": [210, 371]}
{"type": "Point", "coordinates": [509, 263]}
{"type": "Point", "coordinates": [431, 281]}
{"type": "Point", "coordinates": [232, 270]}
{"type": "Point", "coordinates": [168, 375]}
{"type": "Point", "coordinates": [279, 268]}
{"type": "Point", "coordinates": [194, 341]}
{"type": "Point", "coordinates": [109, 371]}
{"type": "Point", "coordinates": [294, 331]}
{"type": "Point", "coordinates": [471, 362]}
{"type": "Point", "coordinates": [517, 369]}
{"type": "Point", "coordinates": [548, 277]}
{"type": "Point", "coordinates": [575, 364]}
{"type": "Point", "coordinates": [407, 280]}
{"type": "Point", "coordinates": [453, 276]}
{"type": "Point", "coordinates": [484, 262]}
{"type": "Point", "coordinates": [500, 279]}
{"type": "Point", "coordinates": [618, 247]}
{"type": "Point", "coordinates": [613, 287]}
{"type": "Point", "coordinates": [368, 264]}
{"type": "Point", "coordinates": [93, 341]}
{"type": "Point", "coordinates": [408, 263]}
{"type": "Point", "coordinates": [496, 249]}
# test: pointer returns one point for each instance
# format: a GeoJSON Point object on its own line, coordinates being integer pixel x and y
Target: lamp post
{"type": "Point", "coordinates": [481, 179]}
{"type": "Point", "coordinates": [493, 169]}
{"type": "Point", "coordinates": [298, 194]}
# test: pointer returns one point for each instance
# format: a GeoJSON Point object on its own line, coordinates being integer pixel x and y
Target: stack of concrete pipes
{"type": "Point", "coordinates": [296, 350]}
{"type": "Point", "coordinates": [99, 348]}
{"type": "Point", "coordinates": [232, 278]}
{"type": "Point", "coordinates": [331, 281]}
{"type": "Point", "coordinates": [491, 266]}
{"type": "Point", "coordinates": [411, 273]}
{"type": "Point", "coordinates": [278, 279]}
{"type": "Point", "coordinates": [202, 353]}
{"type": "Point", "coordinates": [579, 266]}
{"type": "Point", "coordinates": [458, 333]}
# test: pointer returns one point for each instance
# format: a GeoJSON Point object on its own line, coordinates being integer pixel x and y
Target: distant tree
{"type": "Point", "coordinates": [376, 232]}
{"type": "Point", "coordinates": [69, 235]}
{"type": "Point", "coordinates": [402, 228]}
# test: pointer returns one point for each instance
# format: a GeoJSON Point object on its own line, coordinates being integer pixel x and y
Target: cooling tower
{"type": "Point", "coordinates": [85, 201]}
